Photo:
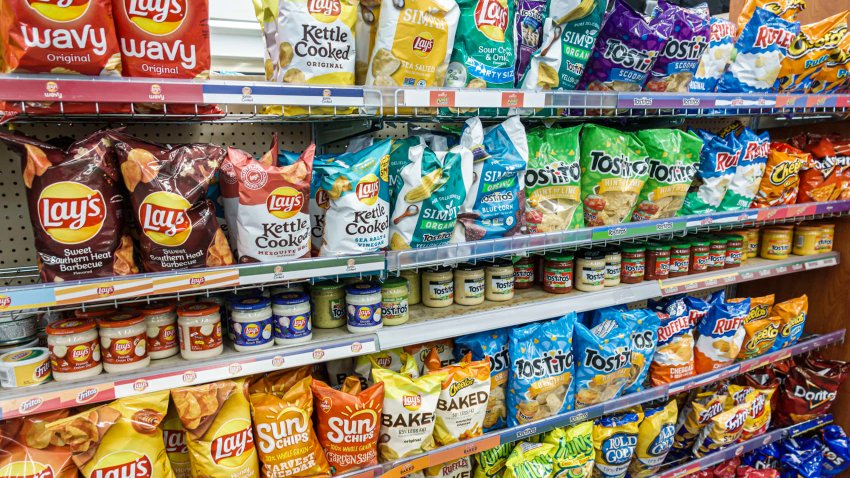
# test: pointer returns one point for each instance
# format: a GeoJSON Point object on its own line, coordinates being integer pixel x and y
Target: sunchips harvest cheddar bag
{"type": "Point", "coordinates": [122, 438]}
{"type": "Point", "coordinates": [674, 156]}
{"type": "Point", "coordinates": [614, 439]}
{"type": "Point", "coordinates": [493, 346]}
{"type": "Point", "coordinates": [553, 180]}
{"type": "Point", "coordinates": [656, 434]}
{"type": "Point", "coordinates": [348, 422]}
{"type": "Point", "coordinates": [792, 318]}
{"type": "Point", "coordinates": [483, 55]}
{"type": "Point", "coordinates": [174, 436]}
{"type": "Point", "coordinates": [75, 206]}
{"type": "Point", "coordinates": [216, 418]}
{"type": "Point", "coordinates": [462, 405]}
{"type": "Point", "coordinates": [29, 450]}
{"type": "Point", "coordinates": [809, 51]}
{"type": "Point", "coordinates": [574, 455]}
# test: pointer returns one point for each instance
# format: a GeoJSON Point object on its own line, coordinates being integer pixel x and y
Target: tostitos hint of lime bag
{"type": "Point", "coordinates": [553, 180]}
{"type": "Point", "coordinates": [574, 450]}
{"type": "Point", "coordinates": [674, 157]}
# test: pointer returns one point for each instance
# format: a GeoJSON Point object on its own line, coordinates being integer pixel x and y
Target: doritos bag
{"type": "Point", "coordinates": [810, 389]}
{"type": "Point", "coordinates": [463, 399]}
{"type": "Point", "coordinates": [656, 435]}
{"type": "Point", "coordinates": [348, 423]}
{"type": "Point", "coordinates": [530, 459]}
{"type": "Point", "coordinates": [603, 358]}
{"type": "Point", "coordinates": [809, 51]}
{"type": "Point", "coordinates": [786, 9]}
{"type": "Point", "coordinates": [574, 455]}
{"type": "Point", "coordinates": [614, 439]}
{"type": "Point", "coordinates": [781, 180]}
{"type": "Point", "coordinates": [174, 436]}
{"type": "Point", "coordinates": [76, 208]}
{"type": "Point", "coordinates": [836, 450]}
{"type": "Point", "coordinates": [696, 414]}
{"type": "Point", "coordinates": [674, 355]}
{"type": "Point", "coordinates": [122, 438]}
{"type": "Point", "coordinates": [751, 164]}
{"type": "Point", "coordinates": [168, 186]}
{"type": "Point", "coordinates": [492, 345]}
{"type": "Point", "coordinates": [29, 449]}
{"type": "Point", "coordinates": [720, 335]}
{"type": "Point", "coordinates": [792, 319]}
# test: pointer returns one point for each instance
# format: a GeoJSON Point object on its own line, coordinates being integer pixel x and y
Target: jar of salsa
{"type": "Point", "coordinates": [558, 273]}
{"type": "Point", "coordinates": [633, 264]}
{"type": "Point", "coordinates": [717, 253]}
{"type": "Point", "coordinates": [523, 272]}
{"type": "Point", "coordinates": [657, 261]}
{"type": "Point", "coordinates": [680, 258]}
{"type": "Point", "coordinates": [734, 250]}
{"type": "Point", "coordinates": [699, 256]}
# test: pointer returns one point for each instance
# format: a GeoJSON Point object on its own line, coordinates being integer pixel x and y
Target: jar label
{"type": "Point", "coordinates": [124, 350]}
{"type": "Point", "coordinates": [364, 315]}
{"type": "Point", "coordinates": [441, 290]}
{"type": "Point", "coordinates": [557, 278]}
{"type": "Point", "coordinates": [634, 268]}
{"type": "Point", "coordinates": [502, 285]}
{"type": "Point", "coordinates": [679, 264]}
{"type": "Point", "coordinates": [394, 310]}
{"type": "Point", "coordinates": [612, 271]}
{"type": "Point", "coordinates": [294, 326]}
{"type": "Point", "coordinates": [473, 288]}
{"type": "Point", "coordinates": [202, 337]}
{"type": "Point", "coordinates": [524, 275]}
{"type": "Point", "coordinates": [593, 277]}
{"type": "Point", "coordinates": [74, 358]}
{"type": "Point", "coordinates": [734, 257]}
{"type": "Point", "coordinates": [662, 267]}
{"type": "Point", "coordinates": [162, 337]}
{"type": "Point", "coordinates": [778, 249]}
{"type": "Point", "coordinates": [248, 334]}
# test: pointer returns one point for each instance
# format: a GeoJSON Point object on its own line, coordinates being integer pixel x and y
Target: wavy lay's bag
{"type": "Point", "coordinates": [809, 51]}
{"type": "Point", "coordinates": [696, 414]}
{"type": "Point", "coordinates": [792, 318]}
{"type": "Point", "coordinates": [723, 430]}
{"type": "Point", "coordinates": [348, 423]}
{"type": "Point", "coordinates": [573, 455]}
{"type": "Point", "coordinates": [463, 399]}
{"type": "Point", "coordinates": [174, 436]}
{"type": "Point", "coordinates": [781, 180]}
{"type": "Point", "coordinates": [493, 346]}
{"type": "Point", "coordinates": [720, 334]}
{"type": "Point", "coordinates": [674, 156]}
{"type": "Point", "coordinates": [122, 438]}
{"type": "Point", "coordinates": [615, 438]}
{"type": "Point", "coordinates": [786, 9]}
{"type": "Point", "coordinates": [603, 359]}
{"type": "Point", "coordinates": [656, 435]}
{"type": "Point", "coordinates": [491, 463]}
{"type": "Point", "coordinates": [714, 59]}
{"type": "Point", "coordinates": [29, 450]}
{"type": "Point", "coordinates": [750, 170]}
{"type": "Point", "coordinates": [530, 460]}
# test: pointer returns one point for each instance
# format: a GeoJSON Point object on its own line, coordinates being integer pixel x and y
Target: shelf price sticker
{"type": "Point", "coordinates": [820, 263]}
{"type": "Point", "coordinates": [119, 289]}
{"type": "Point", "coordinates": [460, 450]}
{"type": "Point", "coordinates": [30, 298]}
{"type": "Point", "coordinates": [407, 468]}
{"type": "Point", "coordinates": [194, 281]}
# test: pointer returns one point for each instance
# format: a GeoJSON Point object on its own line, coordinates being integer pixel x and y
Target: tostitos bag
{"type": "Point", "coordinates": [603, 358]}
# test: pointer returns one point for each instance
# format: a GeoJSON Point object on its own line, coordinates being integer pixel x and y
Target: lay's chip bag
{"type": "Point", "coordinates": [483, 55]}
{"type": "Point", "coordinates": [809, 51]}
{"type": "Point", "coordinates": [463, 399]}
{"type": "Point", "coordinates": [614, 439]}
{"type": "Point", "coordinates": [792, 318]}
{"type": "Point", "coordinates": [574, 454]}
{"type": "Point", "coordinates": [699, 409]}
{"type": "Point", "coordinates": [603, 358]}
{"type": "Point", "coordinates": [542, 370]}
{"type": "Point", "coordinates": [391, 359]}
{"type": "Point", "coordinates": [121, 438]}
{"type": "Point", "coordinates": [786, 9]}
{"type": "Point", "coordinates": [530, 460]}
{"type": "Point", "coordinates": [492, 345]}
{"type": "Point", "coordinates": [29, 450]}
{"type": "Point", "coordinates": [720, 334]}
{"type": "Point", "coordinates": [174, 436]}
{"type": "Point", "coordinates": [655, 439]}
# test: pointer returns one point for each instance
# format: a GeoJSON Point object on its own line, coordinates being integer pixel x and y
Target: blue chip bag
{"type": "Point", "coordinates": [492, 345]}
{"type": "Point", "coordinates": [720, 334]}
{"type": "Point", "coordinates": [644, 325]}
{"type": "Point", "coordinates": [718, 162]}
{"type": "Point", "coordinates": [801, 457]}
{"type": "Point", "coordinates": [752, 159]}
{"type": "Point", "coordinates": [763, 457]}
{"type": "Point", "coordinates": [836, 450]}
{"type": "Point", "coordinates": [792, 319]}
{"type": "Point", "coordinates": [614, 439]}
{"type": "Point", "coordinates": [542, 370]}
{"type": "Point", "coordinates": [603, 358]}
{"type": "Point", "coordinates": [721, 45]}
{"type": "Point", "coordinates": [759, 51]}
{"type": "Point", "coordinates": [674, 354]}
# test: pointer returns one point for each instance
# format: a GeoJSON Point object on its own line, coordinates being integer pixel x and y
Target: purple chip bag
{"type": "Point", "coordinates": [625, 51]}
{"type": "Point", "coordinates": [528, 33]}
{"type": "Point", "coordinates": [678, 61]}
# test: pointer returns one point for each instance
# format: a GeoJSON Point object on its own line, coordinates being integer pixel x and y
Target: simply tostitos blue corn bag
{"type": "Point", "coordinates": [603, 359]}
{"type": "Point", "coordinates": [492, 345]}
{"type": "Point", "coordinates": [542, 370]}
{"type": "Point", "coordinates": [614, 439]}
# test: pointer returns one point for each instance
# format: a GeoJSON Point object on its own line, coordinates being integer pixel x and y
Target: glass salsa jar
{"type": "Point", "coordinates": [699, 256]}
{"type": "Point", "coordinates": [680, 258]}
{"type": "Point", "coordinates": [717, 253]}
{"type": "Point", "coordinates": [657, 261]}
{"type": "Point", "coordinates": [558, 273]}
{"type": "Point", "coordinates": [523, 272]}
{"type": "Point", "coordinates": [633, 264]}
{"type": "Point", "coordinates": [613, 267]}
{"type": "Point", "coordinates": [590, 271]}
{"type": "Point", "coordinates": [734, 251]}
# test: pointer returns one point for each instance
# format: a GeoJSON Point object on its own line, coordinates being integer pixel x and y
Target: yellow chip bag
{"type": "Point", "coordinates": [656, 434]}
{"type": "Point", "coordinates": [174, 437]}
{"type": "Point", "coordinates": [809, 51]}
{"type": "Point", "coordinates": [614, 439]}
{"type": "Point", "coordinates": [460, 468]}
{"type": "Point", "coordinates": [787, 9]}
{"type": "Point", "coordinates": [530, 460]}
{"type": "Point", "coordinates": [834, 73]}
{"type": "Point", "coordinates": [696, 415]}
{"type": "Point", "coordinates": [758, 400]}
{"type": "Point", "coordinates": [122, 438]}
{"type": "Point", "coordinates": [393, 359]}
{"type": "Point", "coordinates": [217, 421]}
{"type": "Point", "coordinates": [463, 399]}
{"type": "Point", "coordinates": [723, 430]}
{"type": "Point", "coordinates": [573, 456]}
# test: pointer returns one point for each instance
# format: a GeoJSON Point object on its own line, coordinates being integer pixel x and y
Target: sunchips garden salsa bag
{"type": "Point", "coordinates": [553, 180]}
{"type": "Point", "coordinates": [674, 156]}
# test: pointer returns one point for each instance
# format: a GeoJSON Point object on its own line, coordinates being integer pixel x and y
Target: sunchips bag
{"type": "Point", "coordinates": [781, 180]}
{"type": "Point", "coordinates": [75, 206]}
{"type": "Point", "coordinates": [553, 180]}
{"type": "Point", "coordinates": [29, 449]}
{"type": "Point", "coordinates": [603, 359]}
{"type": "Point", "coordinates": [358, 218]}
{"type": "Point", "coordinates": [463, 399]}
{"type": "Point", "coordinates": [809, 51]}
{"type": "Point", "coordinates": [678, 61]}
{"type": "Point", "coordinates": [542, 370]}
{"type": "Point", "coordinates": [614, 168]}
{"type": "Point", "coordinates": [348, 423]}
{"type": "Point", "coordinates": [433, 190]}
{"type": "Point", "coordinates": [483, 55]}
{"type": "Point", "coordinates": [751, 165]}
{"type": "Point", "coordinates": [614, 439]}
{"type": "Point", "coordinates": [674, 156]}
{"type": "Point", "coordinates": [718, 163]}
{"type": "Point", "coordinates": [174, 436]}
{"type": "Point", "coordinates": [491, 345]}
{"type": "Point", "coordinates": [574, 455]}
{"type": "Point", "coordinates": [714, 59]}
{"type": "Point", "coordinates": [792, 319]}
{"type": "Point", "coordinates": [786, 9]}
{"type": "Point", "coordinates": [720, 334]}
{"type": "Point", "coordinates": [530, 459]}
{"type": "Point", "coordinates": [656, 434]}
{"type": "Point", "coordinates": [121, 438]}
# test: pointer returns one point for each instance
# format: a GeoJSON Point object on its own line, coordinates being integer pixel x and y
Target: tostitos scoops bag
{"type": "Point", "coordinates": [678, 61]}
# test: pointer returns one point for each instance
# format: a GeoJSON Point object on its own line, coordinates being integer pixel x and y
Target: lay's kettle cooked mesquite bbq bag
{"type": "Point", "coordinates": [674, 156]}
{"type": "Point", "coordinates": [603, 360]}
{"type": "Point", "coordinates": [553, 180]}
{"type": "Point", "coordinates": [714, 59]}
{"type": "Point", "coordinates": [462, 405]}
{"type": "Point", "coordinates": [574, 455]}
{"type": "Point", "coordinates": [493, 346]}
{"type": "Point", "coordinates": [123, 438]}
{"type": "Point", "coordinates": [786, 9]}
{"type": "Point", "coordinates": [656, 434]}
{"type": "Point", "coordinates": [781, 181]}
{"type": "Point", "coordinates": [809, 51]}
{"type": "Point", "coordinates": [76, 209]}
{"type": "Point", "coordinates": [29, 449]}
{"type": "Point", "coordinates": [718, 163]}
{"type": "Point", "coordinates": [615, 438]}
{"type": "Point", "coordinates": [530, 459]}
{"type": "Point", "coordinates": [751, 164]}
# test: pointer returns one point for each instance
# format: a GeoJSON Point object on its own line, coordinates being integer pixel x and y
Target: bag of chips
{"type": "Point", "coordinates": [677, 62]}
{"type": "Point", "coordinates": [810, 389]}
{"type": "Point", "coordinates": [836, 450]}
{"type": "Point", "coordinates": [759, 51]}
{"type": "Point", "coordinates": [530, 459]}
{"type": "Point", "coordinates": [493, 346]}
{"type": "Point", "coordinates": [553, 180]}
{"type": "Point", "coordinates": [460, 468]}
{"type": "Point", "coordinates": [674, 156]}
{"type": "Point", "coordinates": [574, 454]}
{"type": "Point", "coordinates": [542, 370]}
{"type": "Point", "coordinates": [760, 327]}
{"type": "Point", "coordinates": [809, 51]}
{"type": "Point", "coordinates": [318, 205]}
{"type": "Point", "coordinates": [720, 334]}
{"type": "Point", "coordinates": [491, 463]}
{"type": "Point", "coordinates": [420, 353]}
{"type": "Point", "coordinates": [614, 168]}
{"type": "Point", "coordinates": [781, 180]}
{"type": "Point", "coordinates": [698, 411]}
{"type": "Point", "coordinates": [603, 358]}
{"type": "Point", "coordinates": [792, 319]}
{"type": "Point", "coordinates": [409, 415]}
{"type": "Point", "coordinates": [174, 436]}
{"type": "Point", "coordinates": [674, 354]}
{"type": "Point", "coordinates": [123, 438]}
{"type": "Point", "coordinates": [718, 163]}
{"type": "Point", "coordinates": [750, 170]}
{"type": "Point", "coordinates": [656, 434]}
{"type": "Point", "coordinates": [759, 399]}
{"type": "Point", "coordinates": [723, 430]}
{"type": "Point", "coordinates": [29, 449]}
{"type": "Point", "coordinates": [763, 457]}
{"type": "Point", "coordinates": [827, 177]}
{"type": "Point", "coordinates": [645, 325]}
{"type": "Point", "coordinates": [833, 74]}
{"type": "Point", "coordinates": [786, 9]}
{"type": "Point", "coordinates": [462, 405]}
{"type": "Point", "coordinates": [483, 56]}
{"type": "Point", "coordinates": [528, 33]}
{"type": "Point", "coordinates": [615, 438]}
{"type": "Point", "coordinates": [802, 456]}
{"type": "Point", "coordinates": [714, 59]}
{"type": "Point", "coordinates": [392, 359]}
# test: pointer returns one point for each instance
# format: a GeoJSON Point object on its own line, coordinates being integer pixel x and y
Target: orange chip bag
{"type": "Point", "coordinates": [174, 437]}
{"type": "Point", "coordinates": [217, 420]}
{"type": "Point", "coordinates": [759, 307]}
{"type": "Point", "coordinates": [781, 179]}
{"type": "Point", "coordinates": [122, 438]}
{"type": "Point", "coordinates": [28, 449]}
{"type": "Point", "coordinates": [760, 328]}
{"type": "Point", "coordinates": [787, 9]}
{"type": "Point", "coordinates": [348, 423]}
{"type": "Point", "coordinates": [834, 73]}
{"type": "Point", "coordinates": [809, 51]}
{"type": "Point", "coordinates": [462, 405]}
{"type": "Point", "coordinates": [792, 318]}
{"type": "Point", "coordinates": [287, 443]}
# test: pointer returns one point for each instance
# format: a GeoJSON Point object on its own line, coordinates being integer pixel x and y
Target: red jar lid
{"type": "Point", "coordinates": [70, 326]}
{"type": "Point", "coordinates": [198, 309]}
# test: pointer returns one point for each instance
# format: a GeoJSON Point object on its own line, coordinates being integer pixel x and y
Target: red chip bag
{"type": "Point", "coordinates": [168, 185]}
{"type": "Point", "coordinates": [828, 176]}
{"type": "Point", "coordinates": [810, 388]}
{"type": "Point", "coordinates": [727, 468]}
{"type": "Point", "coordinates": [781, 181]}
{"type": "Point", "coordinates": [750, 472]}
{"type": "Point", "coordinates": [75, 206]}
{"type": "Point", "coordinates": [29, 450]}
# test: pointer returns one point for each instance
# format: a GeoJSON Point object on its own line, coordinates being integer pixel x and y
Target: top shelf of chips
{"type": "Point", "coordinates": [87, 98]}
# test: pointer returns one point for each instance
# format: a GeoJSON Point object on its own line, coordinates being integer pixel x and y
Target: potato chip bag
{"type": "Point", "coordinates": [553, 180]}
{"type": "Point", "coordinates": [696, 414]}
{"type": "Point", "coordinates": [542, 370]}
{"type": "Point", "coordinates": [677, 62]}
{"type": "Point", "coordinates": [758, 420]}
{"type": "Point", "coordinates": [266, 14]}
{"type": "Point", "coordinates": [714, 59]}
{"type": "Point", "coordinates": [122, 438]}
{"type": "Point", "coordinates": [723, 430]}
{"type": "Point", "coordinates": [786, 9]}
{"type": "Point", "coordinates": [493, 346]}
{"type": "Point", "coordinates": [348, 423]}
{"type": "Point", "coordinates": [483, 56]}
{"type": "Point", "coordinates": [614, 168]}
{"type": "Point", "coordinates": [792, 318]}
{"type": "Point", "coordinates": [574, 455]}
{"type": "Point", "coordinates": [809, 51]}
{"type": "Point", "coordinates": [718, 163]}
{"type": "Point", "coordinates": [720, 334]}
{"type": "Point", "coordinates": [29, 450]}
{"type": "Point", "coordinates": [174, 436]}
{"type": "Point", "coordinates": [603, 359]}
{"type": "Point", "coordinates": [827, 177]}
{"type": "Point", "coordinates": [463, 399]}
{"type": "Point", "coordinates": [656, 434]}
{"type": "Point", "coordinates": [491, 463]}
{"type": "Point", "coordinates": [392, 359]}
{"type": "Point", "coordinates": [409, 413]}
{"type": "Point", "coordinates": [674, 355]}
{"type": "Point", "coordinates": [674, 156]}
{"type": "Point", "coordinates": [460, 468]}
{"type": "Point", "coordinates": [751, 164]}
{"type": "Point", "coordinates": [781, 179]}
{"type": "Point", "coordinates": [365, 32]}
{"type": "Point", "coordinates": [420, 352]}
{"type": "Point", "coordinates": [528, 460]}
{"type": "Point", "coordinates": [615, 438]}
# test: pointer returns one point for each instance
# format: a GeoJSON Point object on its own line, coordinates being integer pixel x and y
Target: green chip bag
{"type": "Point", "coordinates": [530, 460]}
{"type": "Point", "coordinates": [553, 180]}
{"type": "Point", "coordinates": [673, 161]}
{"type": "Point", "coordinates": [491, 463]}
{"type": "Point", "coordinates": [574, 453]}
{"type": "Point", "coordinates": [614, 167]}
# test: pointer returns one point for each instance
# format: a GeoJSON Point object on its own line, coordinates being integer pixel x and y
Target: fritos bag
{"type": "Point", "coordinates": [787, 9]}
{"type": "Point", "coordinates": [217, 422]}
{"type": "Point", "coordinates": [462, 405]}
{"type": "Point", "coordinates": [282, 407]}
{"type": "Point", "coordinates": [723, 430]}
{"type": "Point", "coordinates": [29, 449]}
{"type": "Point", "coordinates": [574, 455]}
{"type": "Point", "coordinates": [750, 170]}
{"type": "Point", "coordinates": [615, 438]}
{"type": "Point", "coordinates": [656, 434]}
{"type": "Point", "coordinates": [122, 438]}
{"type": "Point", "coordinates": [174, 436]}
{"type": "Point", "coordinates": [348, 422]}
{"type": "Point", "coordinates": [792, 318]}
{"type": "Point", "coordinates": [168, 185]}
{"type": "Point", "coordinates": [720, 334]}
{"type": "Point", "coordinates": [493, 346]}
{"type": "Point", "coordinates": [781, 180]}
{"type": "Point", "coordinates": [758, 420]}
{"type": "Point", "coordinates": [809, 51]}
{"type": "Point", "coordinates": [674, 156]}
{"type": "Point", "coordinates": [553, 180]}
{"type": "Point", "coordinates": [697, 413]}
{"type": "Point", "coordinates": [76, 208]}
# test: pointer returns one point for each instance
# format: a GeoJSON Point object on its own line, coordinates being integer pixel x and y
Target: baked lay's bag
{"type": "Point", "coordinates": [786, 9]}
{"type": "Point", "coordinates": [698, 411]}
{"type": "Point", "coordinates": [493, 346]}
{"type": "Point", "coordinates": [530, 459]}
{"type": "Point", "coordinates": [714, 59]}
{"type": "Point", "coordinates": [615, 438]}
{"type": "Point", "coordinates": [553, 180]}
{"type": "Point", "coordinates": [483, 55]}
{"type": "Point", "coordinates": [491, 463]}
{"type": "Point", "coordinates": [574, 454]}
{"type": "Point", "coordinates": [391, 359]}
{"type": "Point", "coordinates": [656, 435]}
{"type": "Point", "coordinates": [460, 468]}
{"type": "Point", "coordinates": [29, 449]}
{"type": "Point", "coordinates": [792, 319]}
{"type": "Point", "coordinates": [809, 51]}
{"type": "Point", "coordinates": [674, 354]}
{"type": "Point", "coordinates": [688, 37]}
{"type": "Point", "coordinates": [720, 334]}
{"type": "Point", "coordinates": [718, 163]}
{"type": "Point", "coordinates": [348, 423]}
{"type": "Point", "coordinates": [122, 438]}
{"type": "Point", "coordinates": [781, 180]}
{"type": "Point", "coordinates": [174, 436]}
{"type": "Point", "coordinates": [603, 358]}
{"type": "Point", "coordinates": [749, 171]}
{"type": "Point", "coordinates": [674, 156]}
{"type": "Point", "coordinates": [409, 414]}
{"type": "Point", "coordinates": [420, 353]}
{"type": "Point", "coordinates": [542, 370]}
{"type": "Point", "coordinates": [462, 405]}
{"type": "Point", "coordinates": [724, 429]}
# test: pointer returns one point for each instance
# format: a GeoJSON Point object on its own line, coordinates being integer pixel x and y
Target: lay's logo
{"type": "Point", "coordinates": [140, 467]}
{"type": "Point", "coordinates": [164, 219]}
{"type": "Point", "coordinates": [285, 202]}
{"type": "Point", "coordinates": [322, 199]}
{"type": "Point", "coordinates": [423, 44]}
{"type": "Point", "coordinates": [5, 301]}
{"type": "Point", "coordinates": [411, 402]}
{"type": "Point", "coordinates": [326, 8]}
{"type": "Point", "coordinates": [368, 189]}
{"type": "Point", "coordinates": [157, 17]}
{"type": "Point", "coordinates": [71, 213]}
{"type": "Point", "coordinates": [491, 18]}
{"type": "Point", "coordinates": [235, 445]}
{"type": "Point", "coordinates": [175, 441]}
{"type": "Point", "coordinates": [26, 469]}
{"type": "Point", "coordinates": [60, 10]}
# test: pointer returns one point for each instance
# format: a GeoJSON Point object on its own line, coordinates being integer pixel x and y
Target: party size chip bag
{"type": "Point", "coordinates": [714, 59]}
{"type": "Point", "coordinates": [615, 438]}
{"type": "Point", "coordinates": [542, 370]}
{"type": "Point", "coordinates": [677, 62]}
{"type": "Point", "coordinates": [603, 359]}
{"type": "Point", "coordinates": [656, 434]}
{"type": "Point", "coordinates": [749, 171]}
{"type": "Point", "coordinates": [792, 318]}
{"type": "Point", "coordinates": [809, 51]}
{"type": "Point", "coordinates": [574, 454]}
{"type": "Point", "coordinates": [674, 156]}
{"type": "Point", "coordinates": [553, 180]}
{"type": "Point", "coordinates": [720, 334]}
{"type": "Point", "coordinates": [462, 405]}
{"type": "Point", "coordinates": [718, 163]}
{"type": "Point", "coordinates": [483, 55]}
{"type": "Point", "coordinates": [493, 346]}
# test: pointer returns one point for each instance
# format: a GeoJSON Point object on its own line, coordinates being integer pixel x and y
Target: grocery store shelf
{"type": "Point", "coordinates": [399, 468]}
{"type": "Point", "coordinates": [174, 372]}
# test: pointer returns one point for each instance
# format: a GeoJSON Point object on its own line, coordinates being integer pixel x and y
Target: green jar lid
{"type": "Point", "coordinates": [681, 245]}
{"type": "Point", "coordinates": [734, 237]}
{"type": "Point", "coordinates": [700, 241]}
{"type": "Point", "coordinates": [559, 257]}
{"type": "Point", "coordinates": [657, 246]}
{"type": "Point", "coordinates": [327, 286]}
{"type": "Point", "coordinates": [394, 282]}
{"type": "Point", "coordinates": [634, 249]}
